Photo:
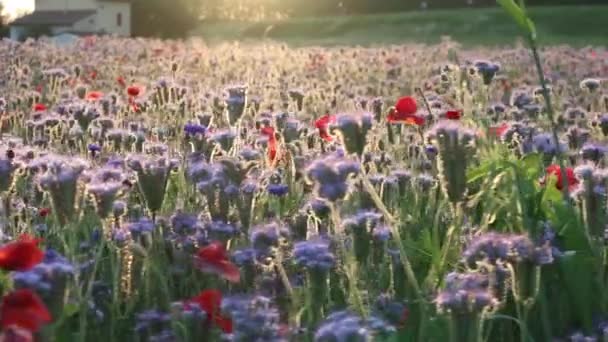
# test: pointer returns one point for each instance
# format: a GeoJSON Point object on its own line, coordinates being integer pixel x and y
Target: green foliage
{"type": "Point", "coordinates": [471, 27]}
{"type": "Point", "coordinates": [519, 16]}
{"type": "Point", "coordinates": [164, 19]}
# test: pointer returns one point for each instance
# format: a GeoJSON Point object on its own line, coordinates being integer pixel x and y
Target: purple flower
{"type": "Point", "coordinates": [265, 237]}
{"type": "Point", "coordinates": [465, 293]}
{"type": "Point", "coordinates": [331, 174]}
{"type": "Point", "coordinates": [254, 318]}
{"type": "Point", "coordinates": [593, 152]}
{"type": "Point", "coordinates": [314, 254]}
{"type": "Point", "coordinates": [346, 326]}
{"type": "Point", "coordinates": [185, 224]}
{"type": "Point", "coordinates": [278, 190]}
{"type": "Point", "coordinates": [192, 129]}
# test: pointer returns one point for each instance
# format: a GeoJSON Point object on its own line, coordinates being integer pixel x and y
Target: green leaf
{"type": "Point", "coordinates": [70, 309]}
{"type": "Point", "coordinates": [576, 273]}
{"type": "Point", "coordinates": [532, 164]}
{"type": "Point", "coordinates": [519, 16]}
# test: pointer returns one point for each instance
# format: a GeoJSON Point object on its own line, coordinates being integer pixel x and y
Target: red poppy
{"type": "Point", "coordinates": [133, 91]}
{"type": "Point", "coordinates": [453, 114]}
{"type": "Point", "coordinates": [405, 112]}
{"type": "Point", "coordinates": [272, 142]}
{"type": "Point", "coordinates": [93, 75]}
{"type": "Point", "coordinates": [406, 106]}
{"type": "Point", "coordinates": [555, 170]}
{"type": "Point", "coordinates": [121, 81]}
{"type": "Point", "coordinates": [21, 255]}
{"type": "Point", "coordinates": [44, 212]}
{"type": "Point", "coordinates": [40, 107]}
{"type": "Point", "coordinates": [498, 131]}
{"type": "Point", "coordinates": [322, 125]}
{"type": "Point", "coordinates": [410, 119]}
{"type": "Point", "coordinates": [213, 259]}
{"type": "Point", "coordinates": [23, 309]}
{"type": "Point", "coordinates": [94, 96]}
{"type": "Point", "coordinates": [39, 88]}
{"type": "Point", "coordinates": [210, 301]}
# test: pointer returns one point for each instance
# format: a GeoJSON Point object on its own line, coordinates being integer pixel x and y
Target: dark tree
{"type": "Point", "coordinates": [165, 19]}
{"type": "Point", "coordinates": [3, 25]}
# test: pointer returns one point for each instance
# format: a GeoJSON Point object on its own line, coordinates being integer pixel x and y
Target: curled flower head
{"type": "Point", "coordinates": [314, 254]}
{"type": "Point", "coordinates": [346, 326]}
{"type": "Point", "coordinates": [593, 152]}
{"type": "Point", "coordinates": [265, 237]}
{"type": "Point", "coordinates": [60, 181]}
{"type": "Point", "coordinates": [353, 129]}
{"type": "Point", "coordinates": [465, 293]}
{"type": "Point", "coordinates": [104, 194]}
{"type": "Point", "coordinates": [192, 129]}
{"type": "Point", "coordinates": [254, 319]}
{"type": "Point", "coordinates": [236, 102]}
{"type": "Point", "coordinates": [152, 177]}
{"type": "Point", "coordinates": [487, 70]}
{"type": "Point", "coordinates": [456, 145]}
{"type": "Point", "coordinates": [493, 248]}
{"type": "Point", "coordinates": [330, 175]}
{"type": "Point", "coordinates": [224, 138]}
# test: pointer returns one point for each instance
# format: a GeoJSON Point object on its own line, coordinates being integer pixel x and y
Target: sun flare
{"type": "Point", "coordinates": [14, 8]}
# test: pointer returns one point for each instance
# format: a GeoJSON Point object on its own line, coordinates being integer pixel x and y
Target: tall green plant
{"type": "Point", "coordinates": [520, 16]}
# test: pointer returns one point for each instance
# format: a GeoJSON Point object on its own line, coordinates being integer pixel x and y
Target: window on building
{"type": "Point", "coordinates": [119, 19]}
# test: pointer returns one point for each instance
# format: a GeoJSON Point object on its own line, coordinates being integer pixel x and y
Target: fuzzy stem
{"type": "Point", "coordinates": [349, 265]}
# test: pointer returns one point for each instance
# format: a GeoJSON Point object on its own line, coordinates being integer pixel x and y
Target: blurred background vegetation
{"type": "Point", "coordinates": [365, 22]}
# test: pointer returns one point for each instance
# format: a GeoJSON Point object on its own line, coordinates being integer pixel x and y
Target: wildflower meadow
{"type": "Point", "coordinates": [158, 190]}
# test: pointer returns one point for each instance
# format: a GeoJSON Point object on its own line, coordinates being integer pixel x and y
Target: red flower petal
{"type": "Point", "coordinates": [453, 114]}
{"type": "Point", "coordinates": [210, 301]}
{"type": "Point", "coordinates": [23, 309]}
{"type": "Point", "coordinates": [322, 124]}
{"type": "Point", "coordinates": [44, 212]}
{"type": "Point", "coordinates": [213, 259]}
{"type": "Point", "coordinates": [406, 106]}
{"type": "Point", "coordinates": [94, 96]}
{"type": "Point", "coordinates": [555, 170]}
{"type": "Point", "coordinates": [121, 81]}
{"type": "Point", "coordinates": [224, 323]}
{"type": "Point", "coordinates": [133, 91]}
{"type": "Point", "coordinates": [21, 255]}
{"type": "Point", "coordinates": [498, 131]}
{"type": "Point", "coordinates": [40, 107]}
{"type": "Point", "coordinates": [410, 119]}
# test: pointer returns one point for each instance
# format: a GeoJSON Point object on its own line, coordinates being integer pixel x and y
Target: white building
{"type": "Point", "coordinates": [53, 17]}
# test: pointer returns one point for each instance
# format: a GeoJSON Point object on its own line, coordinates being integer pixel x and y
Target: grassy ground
{"type": "Point", "coordinates": [576, 25]}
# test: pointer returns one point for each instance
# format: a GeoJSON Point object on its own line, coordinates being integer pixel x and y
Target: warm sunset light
{"type": "Point", "coordinates": [14, 8]}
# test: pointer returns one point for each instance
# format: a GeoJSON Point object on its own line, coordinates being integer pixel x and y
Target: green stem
{"type": "Point", "coordinates": [550, 113]}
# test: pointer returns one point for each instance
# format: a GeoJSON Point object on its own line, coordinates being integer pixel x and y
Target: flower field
{"type": "Point", "coordinates": [171, 191]}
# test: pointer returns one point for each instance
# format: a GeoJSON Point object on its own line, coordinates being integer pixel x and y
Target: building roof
{"type": "Point", "coordinates": [53, 17]}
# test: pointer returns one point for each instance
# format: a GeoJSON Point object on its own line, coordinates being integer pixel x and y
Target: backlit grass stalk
{"type": "Point", "coordinates": [349, 263]}
{"type": "Point", "coordinates": [407, 266]}
{"type": "Point", "coordinates": [520, 16]}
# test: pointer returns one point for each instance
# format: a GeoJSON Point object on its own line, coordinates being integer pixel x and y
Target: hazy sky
{"type": "Point", "coordinates": [16, 6]}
